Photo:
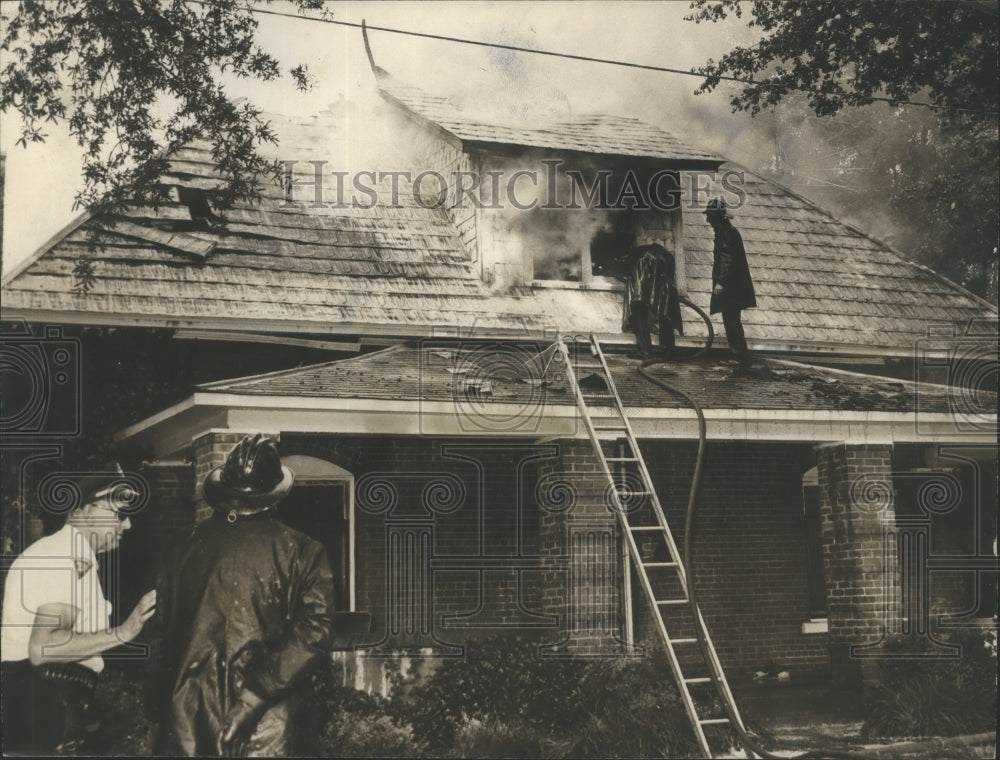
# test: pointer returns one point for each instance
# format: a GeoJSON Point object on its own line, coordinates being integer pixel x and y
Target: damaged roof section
{"type": "Point", "coordinates": [501, 373]}
{"type": "Point", "coordinates": [531, 373]}
{"type": "Point", "coordinates": [399, 268]}
{"type": "Point", "coordinates": [183, 242]}
{"type": "Point", "coordinates": [404, 270]}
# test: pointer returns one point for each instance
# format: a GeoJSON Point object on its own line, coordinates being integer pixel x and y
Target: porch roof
{"type": "Point", "coordinates": [522, 391]}
{"type": "Point", "coordinates": [522, 373]}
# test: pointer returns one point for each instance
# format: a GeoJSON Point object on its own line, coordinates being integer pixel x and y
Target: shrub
{"type": "Point", "coordinates": [345, 722]}
{"type": "Point", "coordinates": [350, 735]}
{"type": "Point", "coordinates": [505, 700]}
{"type": "Point", "coordinates": [501, 679]}
{"type": "Point", "coordinates": [630, 708]}
{"type": "Point", "coordinates": [922, 696]}
{"type": "Point", "coordinates": [494, 739]}
{"type": "Point", "coordinates": [123, 729]}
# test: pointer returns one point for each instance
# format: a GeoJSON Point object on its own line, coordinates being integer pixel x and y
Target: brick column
{"type": "Point", "coordinates": [859, 558]}
{"type": "Point", "coordinates": [210, 451]}
{"type": "Point", "coordinates": [582, 578]}
{"type": "Point", "coordinates": [171, 496]}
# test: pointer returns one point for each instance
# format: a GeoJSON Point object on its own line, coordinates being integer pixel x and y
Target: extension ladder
{"type": "Point", "coordinates": [650, 543]}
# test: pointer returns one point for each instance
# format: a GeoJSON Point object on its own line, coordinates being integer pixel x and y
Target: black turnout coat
{"type": "Point", "coordinates": [730, 269]}
{"type": "Point", "coordinates": [650, 283]}
{"type": "Point", "coordinates": [239, 605]}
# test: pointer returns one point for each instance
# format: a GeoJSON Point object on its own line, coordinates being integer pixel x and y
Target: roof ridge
{"type": "Point", "coordinates": [868, 236]}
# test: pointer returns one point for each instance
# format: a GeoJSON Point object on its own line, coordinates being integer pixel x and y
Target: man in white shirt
{"type": "Point", "coordinates": [56, 621]}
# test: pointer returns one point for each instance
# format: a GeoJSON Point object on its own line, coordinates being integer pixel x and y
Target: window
{"type": "Point", "coordinates": [813, 529]}
{"type": "Point", "coordinates": [584, 247]}
{"type": "Point", "coordinates": [609, 247]}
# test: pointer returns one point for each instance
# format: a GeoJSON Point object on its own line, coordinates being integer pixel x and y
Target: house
{"type": "Point", "coordinates": [402, 352]}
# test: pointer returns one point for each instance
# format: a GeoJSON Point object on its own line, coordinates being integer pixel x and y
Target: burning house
{"type": "Point", "coordinates": [408, 356]}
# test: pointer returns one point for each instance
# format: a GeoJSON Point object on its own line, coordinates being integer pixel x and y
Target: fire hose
{"type": "Point", "coordinates": [749, 742]}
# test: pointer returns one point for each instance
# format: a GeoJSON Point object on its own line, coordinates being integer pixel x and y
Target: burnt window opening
{"type": "Point", "coordinates": [609, 248]}
{"type": "Point", "coordinates": [571, 248]}
{"type": "Point", "coordinates": [554, 238]}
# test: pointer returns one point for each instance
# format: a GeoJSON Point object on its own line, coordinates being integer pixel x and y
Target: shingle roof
{"type": "Point", "coordinates": [600, 134]}
{"type": "Point", "coordinates": [399, 267]}
{"type": "Point", "coordinates": [818, 279]}
{"type": "Point", "coordinates": [404, 270]}
{"type": "Point", "coordinates": [514, 374]}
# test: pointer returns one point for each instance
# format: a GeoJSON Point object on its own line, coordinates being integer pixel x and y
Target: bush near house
{"type": "Point", "coordinates": [504, 700]}
{"type": "Point", "coordinates": [346, 722]}
{"type": "Point", "coordinates": [499, 700]}
{"type": "Point", "coordinates": [919, 696]}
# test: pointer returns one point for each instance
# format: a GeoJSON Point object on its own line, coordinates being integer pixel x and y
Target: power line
{"type": "Point", "coordinates": [592, 59]}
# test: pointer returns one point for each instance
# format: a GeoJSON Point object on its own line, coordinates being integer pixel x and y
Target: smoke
{"type": "Point", "coordinates": [351, 127]}
{"type": "Point", "coordinates": [555, 238]}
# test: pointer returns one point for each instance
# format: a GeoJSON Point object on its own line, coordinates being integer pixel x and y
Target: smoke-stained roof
{"type": "Point", "coordinates": [597, 134]}
{"type": "Point", "coordinates": [404, 270]}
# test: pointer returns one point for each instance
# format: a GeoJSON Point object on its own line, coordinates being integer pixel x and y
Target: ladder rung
{"type": "Point", "coordinates": [608, 423]}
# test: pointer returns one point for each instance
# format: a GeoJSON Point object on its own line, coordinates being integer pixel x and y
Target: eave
{"type": "Point", "coordinates": [174, 429]}
{"type": "Point", "coordinates": [240, 326]}
{"type": "Point", "coordinates": [514, 150]}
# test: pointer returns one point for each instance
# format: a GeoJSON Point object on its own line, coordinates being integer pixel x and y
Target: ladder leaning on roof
{"type": "Point", "coordinates": [652, 549]}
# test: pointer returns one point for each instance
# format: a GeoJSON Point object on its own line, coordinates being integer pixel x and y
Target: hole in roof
{"type": "Point", "coordinates": [196, 201]}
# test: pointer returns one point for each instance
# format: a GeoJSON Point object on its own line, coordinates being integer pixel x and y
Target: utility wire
{"type": "Point", "coordinates": [592, 59]}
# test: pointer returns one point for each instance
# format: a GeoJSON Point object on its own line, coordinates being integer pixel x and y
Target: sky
{"type": "Point", "coordinates": [42, 179]}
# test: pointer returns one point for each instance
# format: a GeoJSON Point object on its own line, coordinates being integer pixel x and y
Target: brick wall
{"type": "Point", "coordinates": [520, 538]}
{"type": "Point", "coordinates": [856, 508]}
{"type": "Point", "coordinates": [171, 503]}
{"type": "Point", "coordinates": [461, 525]}
{"type": "Point", "coordinates": [165, 518]}
{"type": "Point", "coordinates": [581, 582]}
{"type": "Point", "coordinates": [750, 561]}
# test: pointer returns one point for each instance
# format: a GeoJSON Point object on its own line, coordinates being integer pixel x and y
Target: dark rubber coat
{"type": "Point", "coordinates": [239, 605]}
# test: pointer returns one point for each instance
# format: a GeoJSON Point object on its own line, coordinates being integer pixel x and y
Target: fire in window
{"type": "Point", "coordinates": [610, 246]}
{"type": "Point", "coordinates": [577, 247]}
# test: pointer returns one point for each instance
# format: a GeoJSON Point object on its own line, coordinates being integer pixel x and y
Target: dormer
{"type": "Point", "coordinates": [554, 205]}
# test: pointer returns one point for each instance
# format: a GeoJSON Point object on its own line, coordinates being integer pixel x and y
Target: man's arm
{"type": "Point", "coordinates": [53, 638]}
{"type": "Point", "coordinates": [309, 634]}
{"type": "Point", "coordinates": [271, 676]}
